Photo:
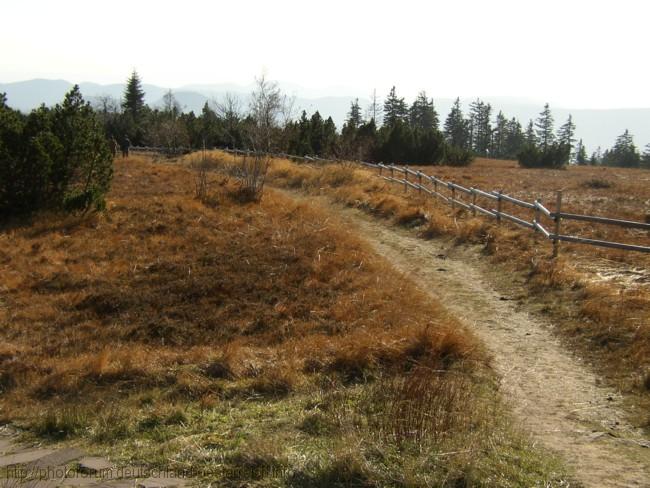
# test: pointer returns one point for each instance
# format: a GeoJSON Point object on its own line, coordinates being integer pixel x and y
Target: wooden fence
{"type": "Point", "coordinates": [459, 196]}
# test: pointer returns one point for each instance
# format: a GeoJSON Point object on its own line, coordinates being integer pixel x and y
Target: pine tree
{"type": "Point", "coordinates": [515, 139]}
{"type": "Point", "coordinates": [596, 157]}
{"type": "Point", "coordinates": [544, 128]}
{"type": "Point", "coordinates": [499, 136]}
{"type": "Point", "coordinates": [316, 126]}
{"type": "Point", "coordinates": [456, 129]}
{"type": "Point", "coordinates": [566, 133]}
{"type": "Point", "coordinates": [329, 138]}
{"type": "Point", "coordinates": [531, 137]}
{"type": "Point", "coordinates": [581, 153]}
{"type": "Point", "coordinates": [624, 153]}
{"type": "Point", "coordinates": [422, 113]}
{"type": "Point", "coordinates": [133, 100]}
{"type": "Point", "coordinates": [480, 127]}
{"type": "Point", "coordinates": [394, 109]}
{"type": "Point", "coordinates": [303, 144]}
{"type": "Point", "coordinates": [354, 115]}
{"type": "Point", "coordinates": [645, 159]}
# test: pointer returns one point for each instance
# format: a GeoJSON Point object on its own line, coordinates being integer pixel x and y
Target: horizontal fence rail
{"type": "Point", "coordinates": [535, 224]}
{"type": "Point", "coordinates": [497, 197]}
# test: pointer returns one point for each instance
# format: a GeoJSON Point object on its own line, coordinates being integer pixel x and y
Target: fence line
{"type": "Point", "coordinates": [499, 197]}
{"type": "Point", "coordinates": [539, 210]}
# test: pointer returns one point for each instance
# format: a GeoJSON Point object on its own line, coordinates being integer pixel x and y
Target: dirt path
{"type": "Point", "coordinates": [554, 395]}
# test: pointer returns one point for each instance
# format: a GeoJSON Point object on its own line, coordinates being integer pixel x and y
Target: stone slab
{"type": "Point", "coordinates": [24, 457]}
{"type": "Point", "coordinates": [162, 483]}
{"type": "Point", "coordinates": [59, 457]}
{"type": "Point", "coordinates": [95, 465]}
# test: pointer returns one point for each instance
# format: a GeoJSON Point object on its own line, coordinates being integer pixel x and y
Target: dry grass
{"type": "Point", "coordinates": [161, 281]}
{"type": "Point", "coordinates": [612, 325]}
{"type": "Point", "coordinates": [243, 339]}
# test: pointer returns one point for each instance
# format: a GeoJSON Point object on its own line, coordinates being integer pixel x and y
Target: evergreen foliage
{"type": "Point", "coordinates": [456, 128]}
{"type": "Point", "coordinates": [394, 109]}
{"type": "Point", "coordinates": [53, 158]}
{"type": "Point", "coordinates": [422, 113]}
{"type": "Point", "coordinates": [581, 154]}
{"type": "Point", "coordinates": [555, 155]}
{"type": "Point", "coordinates": [624, 153]}
{"type": "Point", "coordinates": [544, 127]}
{"type": "Point", "coordinates": [566, 133]}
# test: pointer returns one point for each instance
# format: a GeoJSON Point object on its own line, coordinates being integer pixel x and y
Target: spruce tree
{"type": "Point", "coordinates": [645, 159]}
{"type": "Point", "coordinates": [456, 128]}
{"type": "Point", "coordinates": [498, 145]}
{"type": "Point", "coordinates": [581, 154]}
{"type": "Point", "coordinates": [422, 113]}
{"type": "Point", "coordinates": [133, 100]}
{"type": "Point", "coordinates": [394, 109]}
{"type": "Point", "coordinates": [480, 126]}
{"type": "Point", "coordinates": [531, 137]}
{"type": "Point", "coordinates": [515, 139]}
{"type": "Point", "coordinates": [624, 153]}
{"type": "Point", "coordinates": [354, 115]}
{"type": "Point", "coordinates": [566, 133]}
{"type": "Point", "coordinates": [544, 128]}
{"type": "Point", "coordinates": [133, 108]}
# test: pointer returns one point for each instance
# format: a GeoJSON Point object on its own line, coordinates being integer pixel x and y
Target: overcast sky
{"type": "Point", "coordinates": [572, 53]}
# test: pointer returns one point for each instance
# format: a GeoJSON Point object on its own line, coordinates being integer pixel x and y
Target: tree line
{"type": "Point", "coordinates": [59, 157]}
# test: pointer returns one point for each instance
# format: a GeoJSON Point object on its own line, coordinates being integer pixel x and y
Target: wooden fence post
{"type": "Point", "coordinates": [499, 205]}
{"type": "Point", "coordinates": [558, 219]}
{"type": "Point", "coordinates": [453, 198]}
{"type": "Point", "coordinates": [392, 171]}
{"type": "Point", "coordinates": [419, 182]}
{"type": "Point", "coordinates": [380, 168]}
{"type": "Point", "coordinates": [473, 202]}
{"type": "Point", "coordinates": [538, 214]}
{"type": "Point", "coordinates": [406, 178]}
{"type": "Point", "coordinates": [435, 186]}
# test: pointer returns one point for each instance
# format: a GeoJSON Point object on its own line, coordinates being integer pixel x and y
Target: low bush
{"type": "Point", "coordinates": [553, 156]}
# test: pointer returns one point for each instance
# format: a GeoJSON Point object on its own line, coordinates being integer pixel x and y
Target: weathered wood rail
{"type": "Point", "coordinates": [431, 185]}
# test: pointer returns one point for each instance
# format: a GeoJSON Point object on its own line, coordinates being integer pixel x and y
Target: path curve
{"type": "Point", "coordinates": [553, 394]}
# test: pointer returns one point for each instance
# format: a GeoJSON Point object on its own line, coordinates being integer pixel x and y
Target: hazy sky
{"type": "Point", "coordinates": [571, 53]}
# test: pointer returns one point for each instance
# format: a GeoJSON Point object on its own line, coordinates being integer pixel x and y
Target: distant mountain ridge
{"type": "Point", "coordinates": [597, 127]}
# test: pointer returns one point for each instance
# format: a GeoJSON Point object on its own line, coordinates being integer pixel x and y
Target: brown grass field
{"type": "Point", "coordinates": [244, 338]}
{"type": "Point", "coordinates": [599, 298]}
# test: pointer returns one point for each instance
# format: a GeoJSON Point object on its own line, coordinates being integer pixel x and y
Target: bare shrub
{"type": "Point", "coordinates": [252, 176]}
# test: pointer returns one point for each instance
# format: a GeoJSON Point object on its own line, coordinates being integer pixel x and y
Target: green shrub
{"type": "Point", "coordinates": [458, 156]}
{"type": "Point", "coordinates": [553, 156]}
{"type": "Point", "coordinates": [53, 158]}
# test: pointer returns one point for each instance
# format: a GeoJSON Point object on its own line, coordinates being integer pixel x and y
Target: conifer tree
{"type": "Point", "coordinates": [515, 139]}
{"type": "Point", "coordinates": [566, 133]}
{"type": "Point", "coordinates": [354, 119]}
{"type": "Point", "coordinates": [422, 113]}
{"type": "Point", "coordinates": [624, 153]}
{"type": "Point", "coordinates": [456, 128]}
{"type": "Point", "coordinates": [544, 128]}
{"type": "Point", "coordinates": [394, 109]}
{"type": "Point", "coordinates": [581, 153]}
{"type": "Point", "coordinates": [133, 100]}
{"type": "Point", "coordinates": [645, 159]}
{"type": "Point", "coordinates": [480, 126]}
{"type": "Point", "coordinates": [499, 137]}
{"type": "Point", "coordinates": [531, 137]}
